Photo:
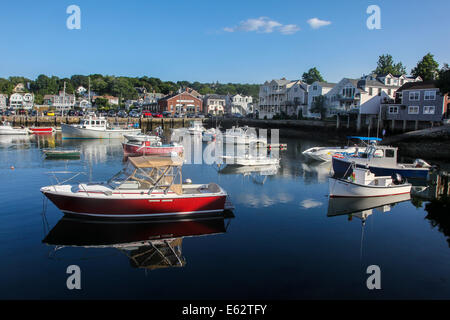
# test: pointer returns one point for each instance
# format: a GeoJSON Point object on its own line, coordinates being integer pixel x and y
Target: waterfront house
{"type": "Point", "coordinates": [281, 96]}
{"type": "Point", "coordinates": [214, 104]}
{"type": "Point", "coordinates": [417, 104]}
{"type": "Point", "coordinates": [21, 101]}
{"type": "Point", "coordinates": [181, 103]}
{"type": "Point", "coordinates": [315, 90]}
{"type": "Point", "coordinates": [239, 104]}
{"type": "Point", "coordinates": [3, 101]}
{"type": "Point", "coordinates": [60, 101]}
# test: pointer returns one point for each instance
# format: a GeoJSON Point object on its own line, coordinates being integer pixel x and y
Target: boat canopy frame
{"type": "Point", "coordinates": [160, 173]}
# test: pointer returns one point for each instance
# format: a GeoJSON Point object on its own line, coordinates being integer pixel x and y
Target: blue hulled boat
{"type": "Point", "coordinates": [382, 161]}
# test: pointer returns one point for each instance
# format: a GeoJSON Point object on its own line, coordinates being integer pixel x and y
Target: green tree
{"type": "Point", "coordinates": [319, 106]}
{"type": "Point", "coordinates": [443, 83]}
{"type": "Point", "coordinates": [386, 65]}
{"type": "Point", "coordinates": [312, 75]}
{"type": "Point", "coordinates": [427, 68]}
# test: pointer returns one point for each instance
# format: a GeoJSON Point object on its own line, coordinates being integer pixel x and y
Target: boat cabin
{"type": "Point", "coordinates": [93, 122]}
{"type": "Point", "coordinates": [380, 155]}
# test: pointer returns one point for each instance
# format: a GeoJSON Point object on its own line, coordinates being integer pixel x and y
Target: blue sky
{"type": "Point", "coordinates": [215, 40]}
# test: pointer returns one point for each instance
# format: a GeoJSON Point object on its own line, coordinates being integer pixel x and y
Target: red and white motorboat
{"type": "Point", "coordinates": [146, 187]}
{"type": "Point", "coordinates": [137, 148]}
{"type": "Point", "coordinates": [41, 130]}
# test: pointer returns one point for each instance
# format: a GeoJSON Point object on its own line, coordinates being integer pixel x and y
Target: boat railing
{"type": "Point", "coordinates": [58, 182]}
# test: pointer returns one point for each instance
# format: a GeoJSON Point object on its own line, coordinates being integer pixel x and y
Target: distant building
{"type": "Point", "coordinates": [21, 101]}
{"type": "Point", "coordinates": [3, 101]}
{"type": "Point", "coordinates": [180, 103]}
{"type": "Point", "coordinates": [20, 87]}
{"type": "Point", "coordinates": [214, 104]}
{"type": "Point", "coordinates": [60, 101]}
{"type": "Point", "coordinates": [111, 99]}
{"type": "Point", "coordinates": [315, 90]}
{"type": "Point", "coordinates": [282, 96]}
{"type": "Point", "coordinates": [81, 90]}
{"type": "Point", "coordinates": [417, 101]}
{"type": "Point", "coordinates": [239, 104]}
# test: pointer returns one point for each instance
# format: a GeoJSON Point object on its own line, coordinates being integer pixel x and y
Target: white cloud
{"type": "Point", "coordinates": [316, 23]}
{"type": "Point", "coordinates": [310, 203]}
{"type": "Point", "coordinates": [263, 25]}
{"type": "Point", "coordinates": [289, 29]}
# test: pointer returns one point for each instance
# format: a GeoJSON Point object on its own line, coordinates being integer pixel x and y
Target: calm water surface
{"type": "Point", "coordinates": [285, 241]}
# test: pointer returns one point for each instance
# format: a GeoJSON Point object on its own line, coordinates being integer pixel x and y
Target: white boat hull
{"type": "Point", "coordinates": [343, 188]}
{"type": "Point", "coordinates": [13, 131]}
{"type": "Point", "coordinates": [74, 132]}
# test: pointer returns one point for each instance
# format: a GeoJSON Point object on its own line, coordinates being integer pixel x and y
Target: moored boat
{"type": "Point", "coordinates": [382, 161]}
{"type": "Point", "coordinates": [41, 130]}
{"type": "Point", "coordinates": [363, 183]}
{"type": "Point", "coordinates": [62, 153]}
{"type": "Point", "coordinates": [95, 128]}
{"type": "Point", "coordinates": [146, 187]}
{"type": "Point", "coordinates": [150, 147]}
{"type": "Point", "coordinates": [7, 129]}
{"type": "Point", "coordinates": [327, 153]}
{"type": "Point", "coordinates": [243, 135]}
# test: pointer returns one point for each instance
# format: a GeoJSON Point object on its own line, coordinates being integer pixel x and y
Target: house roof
{"type": "Point", "coordinates": [215, 96]}
{"type": "Point", "coordinates": [418, 85]}
{"type": "Point", "coordinates": [325, 84]}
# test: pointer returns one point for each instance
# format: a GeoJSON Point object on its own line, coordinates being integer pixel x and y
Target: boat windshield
{"type": "Point", "coordinates": [148, 178]}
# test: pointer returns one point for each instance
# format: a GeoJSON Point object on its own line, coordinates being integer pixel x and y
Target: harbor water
{"type": "Point", "coordinates": [284, 240]}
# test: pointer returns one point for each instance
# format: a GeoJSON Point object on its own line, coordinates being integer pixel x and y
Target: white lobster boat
{"type": "Point", "coordinates": [363, 183]}
{"type": "Point", "coordinates": [95, 128]}
{"type": "Point", "coordinates": [7, 129]}
{"type": "Point", "coordinates": [243, 135]}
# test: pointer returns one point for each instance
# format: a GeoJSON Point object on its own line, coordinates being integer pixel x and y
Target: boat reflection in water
{"type": "Point", "coordinates": [149, 244]}
{"type": "Point", "coordinates": [258, 174]}
{"type": "Point", "coordinates": [363, 207]}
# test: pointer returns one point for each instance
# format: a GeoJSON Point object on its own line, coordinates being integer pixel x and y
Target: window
{"type": "Point", "coordinates": [390, 153]}
{"type": "Point", "coordinates": [430, 95]}
{"type": "Point", "coordinates": [428, 110]}
{"type": "Point", "coordinates": [314, 88]}
{"type": "Point", "coordinates": [379, 91]}
{"type": "Point", "coordinates": [393, 110]}
{"type": "Point", "coordinates": [413, 110]}
{"type": "Point", "coordinates": [414, 96]}
{"type": "Point", "coordinates": [370, 91]}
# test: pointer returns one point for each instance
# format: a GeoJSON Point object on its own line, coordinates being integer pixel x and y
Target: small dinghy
{"type": "Point", "coordinates": [363, 183]}
{"type": "Point", "coordinates": [61, 153]}
{"type": "Point", "coordinates": [41, 130]}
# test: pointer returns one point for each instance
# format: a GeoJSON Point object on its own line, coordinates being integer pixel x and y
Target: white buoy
{"type": "Point", "coordinates": [188, 181]}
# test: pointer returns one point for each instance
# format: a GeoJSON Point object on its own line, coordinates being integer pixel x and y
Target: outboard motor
{"type": "Point", "coordinates": [398, 179]}
{"type": "Point", "coordinates": [419, 163]}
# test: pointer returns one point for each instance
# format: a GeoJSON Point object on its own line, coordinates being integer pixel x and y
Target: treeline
{"type": "Point", "coordinates": [122, 87]}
